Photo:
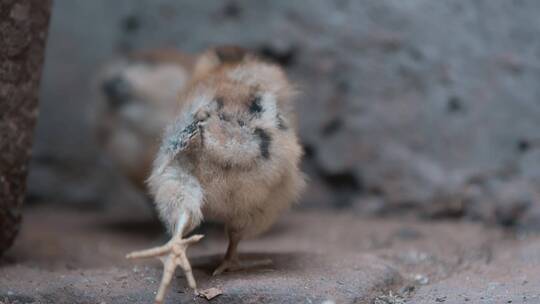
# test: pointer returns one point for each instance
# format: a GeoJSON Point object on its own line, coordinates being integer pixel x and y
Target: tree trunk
{"type": "Point", "coordinates": [23, 29]}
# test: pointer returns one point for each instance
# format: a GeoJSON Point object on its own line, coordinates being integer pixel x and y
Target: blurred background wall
{"type": "Point", "coordinates": [419, 106]}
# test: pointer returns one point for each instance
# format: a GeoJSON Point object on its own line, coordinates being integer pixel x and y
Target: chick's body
{"type": "Point", "coordinates": [232, 155]}
{"type": "Point", "coordinates": [243, 163]}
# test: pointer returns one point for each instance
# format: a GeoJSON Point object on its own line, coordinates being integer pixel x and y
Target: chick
{"type": "Point", "coordinates": [138, 96]}
{"type": "Point", "coordinates": [232, 156]}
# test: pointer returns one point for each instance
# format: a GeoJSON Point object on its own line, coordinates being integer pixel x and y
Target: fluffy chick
{"type": "Point", "coordinates": [138, 97]}
{"type": "Point", "coordinates": [231, 155]}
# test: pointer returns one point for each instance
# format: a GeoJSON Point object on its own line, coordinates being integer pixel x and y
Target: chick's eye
{"type": "Point", "coordinates": [224, 117]}
{"type": "Point", "coordinates": [255, 106]}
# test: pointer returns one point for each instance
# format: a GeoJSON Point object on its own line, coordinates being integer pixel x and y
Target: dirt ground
{"type": "Point", "coordinates": [73, 256]}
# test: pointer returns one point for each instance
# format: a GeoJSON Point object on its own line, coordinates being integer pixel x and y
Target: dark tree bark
{"type": "Point", "coordinates": [23, 29]}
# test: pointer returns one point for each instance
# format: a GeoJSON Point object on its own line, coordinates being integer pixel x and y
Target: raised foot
{"type": "Point", "coordinates": [234, 265]}
{"type": "Point", "coordinates": [172, 254]}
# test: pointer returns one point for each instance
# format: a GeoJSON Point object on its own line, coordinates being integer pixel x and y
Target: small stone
{"type": "Point", "coordinates": [120, 278]}
{"type": "Point", "coordinates": [421, 279]}
{"type": "Point", "coordinates": [440, 299]}
{"type": "Point", "coordinates": [390, 298]}
{"type": "Point", "coordinates": [210, 293]}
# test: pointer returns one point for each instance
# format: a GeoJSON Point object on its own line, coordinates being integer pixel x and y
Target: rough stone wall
{"type": "Point", "coordinates": [431, 106]}
{"type": "Point", "coordinates": [23, 27]}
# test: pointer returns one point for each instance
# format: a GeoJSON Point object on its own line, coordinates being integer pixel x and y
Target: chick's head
{"type": "Point", "coordinates": [242, 108]}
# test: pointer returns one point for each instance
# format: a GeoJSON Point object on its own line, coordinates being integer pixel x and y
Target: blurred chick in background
{"type": "Point", "coordinates": [139, 96]}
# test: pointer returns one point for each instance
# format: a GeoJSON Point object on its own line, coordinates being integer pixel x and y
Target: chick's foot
{"type": "Point", "coordinates": [233, 264]}
{"type": "Point", "coordinates": [228, 264]}
{"type": "Point", "coordinates": [172, 254]}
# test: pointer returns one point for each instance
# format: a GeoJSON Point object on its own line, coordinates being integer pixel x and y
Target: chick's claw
{"type": "Point", "coordinates": [172, 254]}
{"type": "Point", "coordinates": [227, 265]}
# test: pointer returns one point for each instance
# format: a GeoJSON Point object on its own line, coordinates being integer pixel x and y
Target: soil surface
{"type": "Point", "coordinates": [73, 256]}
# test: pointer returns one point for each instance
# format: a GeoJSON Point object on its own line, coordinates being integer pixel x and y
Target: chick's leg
{"type": "Point", "coordinates": [230, 262]}
{"type": "Point", "coordinates": [172, 254]}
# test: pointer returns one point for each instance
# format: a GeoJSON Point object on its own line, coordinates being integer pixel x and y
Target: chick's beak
{"type": "Point", "coordinates": [202, 115]}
